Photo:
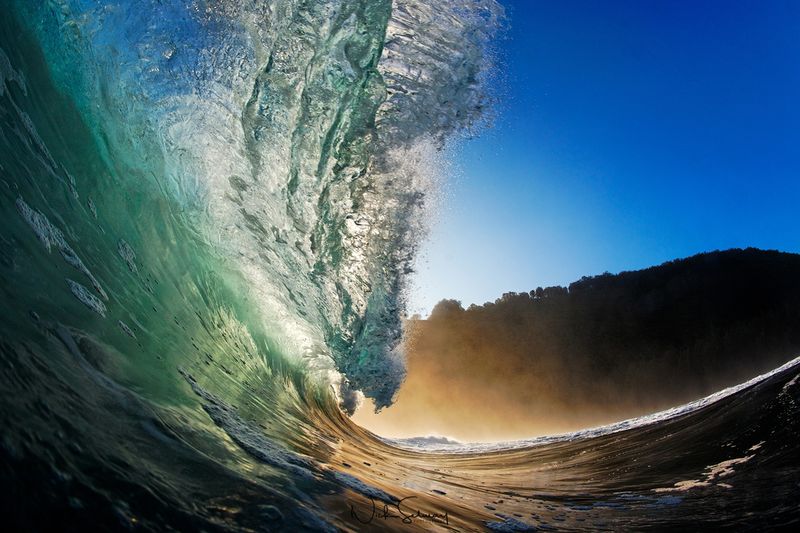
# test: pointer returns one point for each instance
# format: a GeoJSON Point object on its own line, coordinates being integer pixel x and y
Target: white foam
{"type": "Point", "coordinates": [88, 299]}
{"type": "Point", "coordinates": [49, 235]}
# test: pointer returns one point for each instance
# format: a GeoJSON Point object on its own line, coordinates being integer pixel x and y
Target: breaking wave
{"type": "Point", "coordinates": [209, 210]}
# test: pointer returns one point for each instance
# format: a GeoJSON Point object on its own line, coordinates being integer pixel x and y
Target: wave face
{"type": "Point", "coordinates": [293, 143]}
{"type": "Point", "coordinates": [209, 209]}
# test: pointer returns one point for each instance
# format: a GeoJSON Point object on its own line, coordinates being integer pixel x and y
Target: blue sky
{"type": "Point", "coordinates": [628, 133]}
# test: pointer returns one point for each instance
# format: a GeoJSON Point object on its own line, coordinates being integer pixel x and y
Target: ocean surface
{"type": "Point", "coordinates": [209, 210]}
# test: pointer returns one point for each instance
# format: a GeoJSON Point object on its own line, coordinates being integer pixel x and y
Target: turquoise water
{"type": "Point", "coordinates": [267, 161]}
{"type": "Point", "coordinates": [209, 212]}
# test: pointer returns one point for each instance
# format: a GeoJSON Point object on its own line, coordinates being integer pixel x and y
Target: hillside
{"type": "Point", "coordinates": [609, 346]}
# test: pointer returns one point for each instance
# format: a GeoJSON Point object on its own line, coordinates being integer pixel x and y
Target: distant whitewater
{"type": "Point", "coordinates": [444, 444]}
{"type": "Point", "coordinates": [208, 212]}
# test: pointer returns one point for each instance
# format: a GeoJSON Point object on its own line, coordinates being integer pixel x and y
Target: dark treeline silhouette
{"type": "Point", "coordinates": [624, 343]}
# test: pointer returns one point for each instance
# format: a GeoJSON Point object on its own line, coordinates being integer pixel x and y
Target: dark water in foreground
{"type": "Point", "coordinates": [206, 215]}
{"type": "Point", "coordinates": [81, 451]}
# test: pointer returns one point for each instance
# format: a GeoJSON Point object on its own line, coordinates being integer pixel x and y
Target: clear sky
{"type": "Point", "coordinates": [628, 133]}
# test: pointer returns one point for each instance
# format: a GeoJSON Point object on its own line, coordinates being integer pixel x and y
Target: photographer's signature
{"type": "Point", "coordinates": [403, 513]}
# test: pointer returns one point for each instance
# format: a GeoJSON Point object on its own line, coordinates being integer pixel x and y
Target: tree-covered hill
{"type": "Point", "coordinates": [629, 342]}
